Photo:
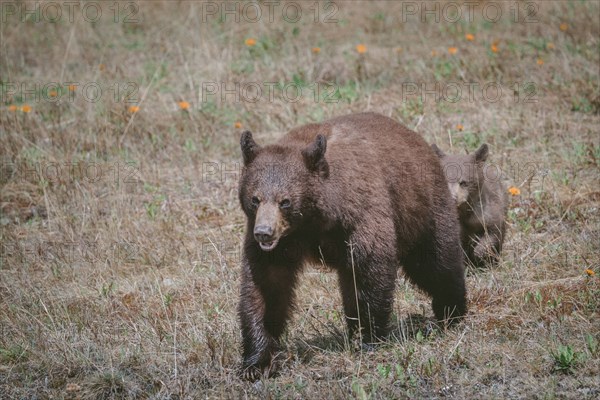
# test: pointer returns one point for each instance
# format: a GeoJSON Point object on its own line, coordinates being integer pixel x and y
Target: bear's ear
{"type": "Point", "coordinates": [314, 156]}
{"type": "Point", "coordinates": [481, 154]}
{"type": "Point", "coordinates": [437, 150]}
{"type": "Point", "coordinates": [249, 147]}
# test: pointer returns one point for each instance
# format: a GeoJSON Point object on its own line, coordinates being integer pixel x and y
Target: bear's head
{"type": "Point", "coordinates": [464, 174]}
{"type": "Point", "coordinates": [277, 186]}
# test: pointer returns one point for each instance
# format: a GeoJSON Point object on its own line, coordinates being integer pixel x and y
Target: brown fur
{"type": "Point", "coordinates": [482, 202]}
{"type": "Point", "coordinates": [354, 195]}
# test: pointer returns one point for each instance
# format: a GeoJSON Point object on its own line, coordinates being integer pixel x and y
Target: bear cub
{"type": "Point", "coordinates": [360, 193]}
{"type": "Point", "coordinates": [481, 201]}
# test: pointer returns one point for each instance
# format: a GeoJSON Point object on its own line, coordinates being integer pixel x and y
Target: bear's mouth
{"type": "Point", "coordinates": [268, 246]}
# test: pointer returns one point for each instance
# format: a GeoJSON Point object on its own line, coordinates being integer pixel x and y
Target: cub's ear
{"type": "Point", "coordinates": [481, 154]}
{"type": "Point", "coordinates": [314, 156]}
{"type": "Point", "coordinates": [438, 151]}
{"type": "Point", "coordinates": [249, 147]}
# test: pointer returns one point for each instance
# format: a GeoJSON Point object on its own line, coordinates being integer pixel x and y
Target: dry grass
{"type": "Point", "coordinates": [121, 232]}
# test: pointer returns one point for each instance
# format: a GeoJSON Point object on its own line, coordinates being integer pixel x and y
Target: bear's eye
{"type": "Point", "coordinates": [285, 203]}
{"type": "Point", "coordinates": [463, 183]}
{"type": "Point", "coordinates": [255, 201]}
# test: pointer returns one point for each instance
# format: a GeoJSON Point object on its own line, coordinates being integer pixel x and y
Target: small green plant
{"type": "Point", "coordinates": [443, 70]}
{"type": "Point", "coordinates": [534, 297]}
{"type": "Point", "coordinates": [384, 370]}
{"type": "Point", "coordinates": [153, 207]}
{"type": "Point", "coordinates": [430, 367]}
{"type": "Point", "coordinates": [107, 289]}
{"type": "Point", "coordinates": [470, 140]}
{"type": "Point", "coordinates": [399, 373]}
{"type": "Point", "coordinates": [565, 358]}
{"type": "Point", "coordinates": [420, 337]}
{"type": "Point", "coordinates": [411, 108]}
{"type": "Point", "coordinates": [554, 304]}
{"type": "Point", "coordinates": [581, 104]}
{"type": "Point", "coordinates": [12, 354]}
{"type": "Point", "coordinates": [167, 299]}
{"type": "Point", "coordinates": [190, 146]}
{"type": "Point", "coordinates": [591, 343]}
{"type": "Point", "coordinates": [348, 92]}
{"type": "Point", "coordinates": [402, 378]}
{"type": "Point", "coordinates": [359, 390]}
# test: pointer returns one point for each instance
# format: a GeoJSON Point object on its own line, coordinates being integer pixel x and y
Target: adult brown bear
{"type": "Point", "coordinates": [361, 193]}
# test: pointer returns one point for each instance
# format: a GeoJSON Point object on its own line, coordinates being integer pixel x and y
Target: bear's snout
{"type": "Point", "coordinates": [263, 233]}
{"type": "Point", "coordinates": [267, 228]}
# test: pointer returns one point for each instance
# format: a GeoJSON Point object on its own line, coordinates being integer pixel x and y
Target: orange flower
{"type": "Point", "coordinates": [590, 272]}
{"type": "Point", "coordinates": [452, 50]}
{"type": "Point", "coordinates": [433, 53]}
{"type": "Point", "coordinates": [515, 191]}
{"type": "Point", "coordinates": [101, 67]}
{"type": "Point", "coordinates": [72, 88]}
{"type": "Point", "coordinates": [316, 50]}
{"type": "Point", "coordinates": [540, 61]}
{"type": "Point", "coordinates": [133, 109]}
{"type": "Point", "coordinates": [250, 42]}
{"type": "Point", "coordinates": [550, 46]}
{"type": "Point", "coordinates": [470, 37]}
{"type": "Point", "coordinates": [398, 49]}
{"type": "Point", "coordinates": [494, 48]}
{"type": "Point", "coordinates": [12, 108]}
{"type": "Point", "coordinates": [52, 93]}
{"type": "Point", "coordinates": [459, 127]}
{"type": "Point", "coordinates": [184, 105]}
{"type": "Point", "coordinates": [26, 108]}
{"type": "Point", "coordinates": [563, 27]}
{"type": "Point", "coordinates": [361, 48]}
{"type": "Point", "coordinates": [237, 125]}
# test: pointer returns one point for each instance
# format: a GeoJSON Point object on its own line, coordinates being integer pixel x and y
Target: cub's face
{"type": "Point", "coordinates": [464, 174]}
{"type": "Point", "coordinates": [276, 187]}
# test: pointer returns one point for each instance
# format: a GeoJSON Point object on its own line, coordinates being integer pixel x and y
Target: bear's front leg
{"type": "Point", "coordinates": [266, 298]}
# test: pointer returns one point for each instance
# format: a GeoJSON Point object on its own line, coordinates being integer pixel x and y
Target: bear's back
{"type": "Point", "coordinates": [378, 146]}
{"type": "Point", "coordinates": [376, 164]}
{"type": "Point", "coordinates": [368, 128]}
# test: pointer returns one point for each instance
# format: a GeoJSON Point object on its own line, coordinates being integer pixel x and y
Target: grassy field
{"type": "Point", "coordinates": [120, 224]}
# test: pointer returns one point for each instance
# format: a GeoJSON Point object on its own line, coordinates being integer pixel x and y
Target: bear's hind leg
{"type": "Point", "coordinates": [436, 266]}
{"type": "Point", "coordinates": [367, 288]}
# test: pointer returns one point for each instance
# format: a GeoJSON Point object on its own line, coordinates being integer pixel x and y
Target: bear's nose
{"type": "Point", "coordinates": [263, 233]}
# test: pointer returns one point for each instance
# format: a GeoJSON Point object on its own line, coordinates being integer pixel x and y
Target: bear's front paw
{"type": "Point", "coordinates": [485, 253]}
{"type": "Point", "coordinates": [480, 251]}
{"type": "Point", "coordinates": [252, 373]}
